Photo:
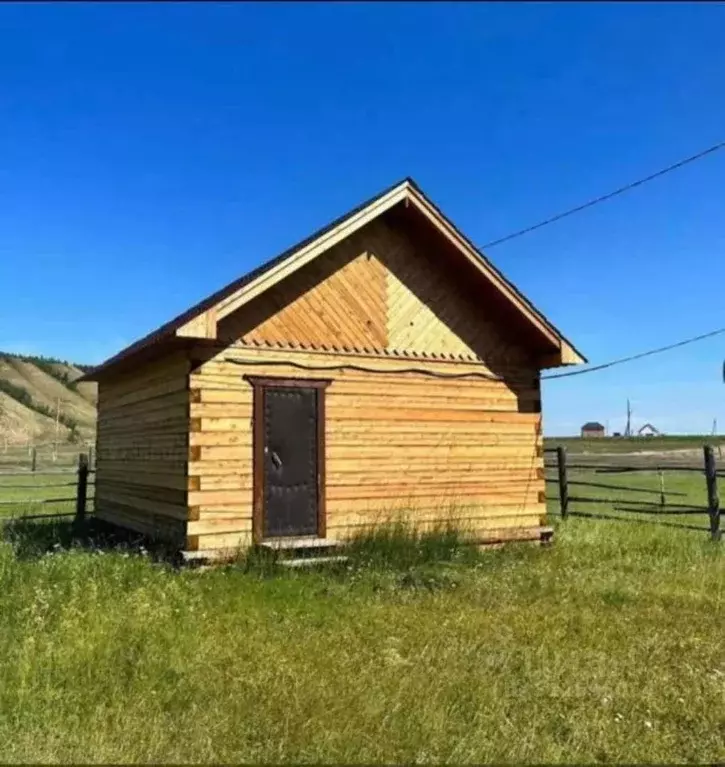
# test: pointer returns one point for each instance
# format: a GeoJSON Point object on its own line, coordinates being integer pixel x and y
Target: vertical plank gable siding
{"type": "Point", "coordinates": [442, 450]}
{"type": "Point", "coordinates": [143, 439]}
{"type": "Point", "coordinates": [375, 292]}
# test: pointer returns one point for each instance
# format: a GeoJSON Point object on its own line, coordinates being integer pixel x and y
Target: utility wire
{"type": "Point", "coordinates": [604, 197]}
{"type": "Point", "coordinates": [364, 369]}
{"type": "Point", "coordinates": [635, 356]}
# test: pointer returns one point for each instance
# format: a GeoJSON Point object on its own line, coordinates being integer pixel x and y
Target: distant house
{"type": "Point", "coordinates": [592, 429]}
{"type": "Point", "coordinates": [648, 431]}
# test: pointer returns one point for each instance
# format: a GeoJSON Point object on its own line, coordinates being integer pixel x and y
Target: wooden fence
{"type": "Point", "coordinates": [566, 498]}
{"type": "Point", "coordinates": [82, 480]}
{"type": "Point", "coordinates": [41, 457]}
{"type": "Point", "coordinates": [84, 474]}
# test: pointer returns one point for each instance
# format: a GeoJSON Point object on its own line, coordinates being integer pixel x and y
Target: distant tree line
{"type": "Point", "coordinates": [46, 365]}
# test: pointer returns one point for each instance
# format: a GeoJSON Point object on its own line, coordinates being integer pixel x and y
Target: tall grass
{"type": "Point", "coordinates": [399, 544]}
{"type": "Point", "coordinates": [605, 647]}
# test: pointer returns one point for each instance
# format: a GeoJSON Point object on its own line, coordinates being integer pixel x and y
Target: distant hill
{"type": "Point", "coordinates": [35, 391]}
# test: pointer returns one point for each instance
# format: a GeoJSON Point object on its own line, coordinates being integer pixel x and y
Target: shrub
{"type": "Point", "coordinates": [21, 395]}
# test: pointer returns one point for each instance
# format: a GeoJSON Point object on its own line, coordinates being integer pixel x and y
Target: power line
{"type": "Point", "coordinates": [485, 376]}
{"type": "Point", "coordinates": [364, 369]}
{"type": "Point", "coordinates": [635, 356]}
{"type": "Point", "coordinates": [604, 197]}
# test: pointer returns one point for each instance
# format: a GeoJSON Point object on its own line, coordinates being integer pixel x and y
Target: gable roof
{"type": "Point", "coordinates": [592, 426]}
{"type": "Point", "coordinates": [648, 426]}
{"type": "Point", "coordinates": [200, 320]}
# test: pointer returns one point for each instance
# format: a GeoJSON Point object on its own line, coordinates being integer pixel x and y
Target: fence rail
{"type": "Point", "coordinates": [605, 469]}
{"type": "Point", "coordinates": [708, 468]}
{"type": "Point", "coordinates": [83, 473]}
{"type": "Point", "coordinates": [40, 458]}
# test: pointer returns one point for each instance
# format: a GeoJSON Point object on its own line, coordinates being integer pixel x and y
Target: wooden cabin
{"type": "Point", "coordinates": [381, 367]}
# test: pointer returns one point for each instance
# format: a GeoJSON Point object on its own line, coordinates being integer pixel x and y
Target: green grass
{"type": "Point", "coordinates": [15, 458]}
{"type": "Point", "coordinates": [635, 496]}
{"type": "Point", "coordinates": [606, 647]}
{"type": "Point", "coordinates": [32, 494]}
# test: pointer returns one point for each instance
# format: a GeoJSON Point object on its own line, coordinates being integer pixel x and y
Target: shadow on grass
{"type": "Point", "coordinates": [393, 555]}
{"type": "Point", "coordinates": [661, 523]}
{"type": "Point", "coordinates": [653, 510]}
{"type": "Point", "coordinates": [624, 488]}
{"type": "Point", "coordinates": [32, 538]}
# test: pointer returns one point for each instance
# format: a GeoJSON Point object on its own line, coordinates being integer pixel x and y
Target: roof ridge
{"type": "Point", "coordinates": [406, 184]}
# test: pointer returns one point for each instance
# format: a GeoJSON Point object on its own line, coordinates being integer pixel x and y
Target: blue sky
{"type": "Point", "coordinates": [151, 153]}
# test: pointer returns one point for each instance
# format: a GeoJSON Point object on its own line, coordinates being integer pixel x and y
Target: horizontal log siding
{"type": "Point", "coordinates": [466, 450]}
{"type": "Point", "coordinates": [143, 445]}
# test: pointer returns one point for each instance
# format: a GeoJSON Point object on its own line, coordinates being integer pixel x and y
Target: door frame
{"type": "Point", "coordinates": [259, 386]}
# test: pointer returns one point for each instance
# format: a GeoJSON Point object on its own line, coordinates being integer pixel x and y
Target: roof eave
{"type": "Point", "coordinates": [567, 353]}
{"type": "Point", "coordinates": [200, 321]}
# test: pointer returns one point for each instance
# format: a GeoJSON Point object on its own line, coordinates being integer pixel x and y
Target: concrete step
{"type": "Point", "coordinates": [311, 561]}
{"type": "Point", "coordinates": [208, 555]}
{"type": "Point", "coordinates": [295, 544]}
{"type": "Point", "coordinates": [285, 548]}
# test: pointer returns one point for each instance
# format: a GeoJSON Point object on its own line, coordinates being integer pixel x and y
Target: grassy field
{"type": "Point", "coordinates": [40, 493]}
{"type": "Point", "coordinates": [636, 496]}
{"type": "Point", "coordinates": [605, 647]}
{"type": "Point", "coordinates": [18, 459]}
{"type": "Point", "coordinates": [576, 445]}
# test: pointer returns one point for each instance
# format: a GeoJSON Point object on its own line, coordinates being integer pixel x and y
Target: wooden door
{"type": "Point", "coordinates": [291, 461]}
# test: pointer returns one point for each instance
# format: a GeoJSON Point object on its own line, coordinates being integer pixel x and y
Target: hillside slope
{"type": "Point", "coordinates": [21, 425]}
{"type": "Point", "coordinates": [33, 391]}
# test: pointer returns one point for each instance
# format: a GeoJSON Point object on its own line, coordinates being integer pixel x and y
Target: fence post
{"type": "Point", "coordinates": [82, 490]}
{"type": "Point", "coordinates": [663, 499]}
{"type": "Point", "coordinates": [33, 458]}
{"type": "Point", "coordinates": [563, 483]}
{"type": "Point", "coordinates": [90, 457]}
{"type": "Point", "coordinates": [713, 502]}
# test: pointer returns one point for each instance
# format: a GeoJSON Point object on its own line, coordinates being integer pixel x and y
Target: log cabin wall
{"type": "Point", "coordinates": [440, 449]}
{"type": "Point", "coordinates": [463, 450]}
{"type": "Point", "coordinates": [142, 448]}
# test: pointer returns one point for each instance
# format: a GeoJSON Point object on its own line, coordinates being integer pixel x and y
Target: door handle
{"type": "Point", "coordinates": [276, 460]}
